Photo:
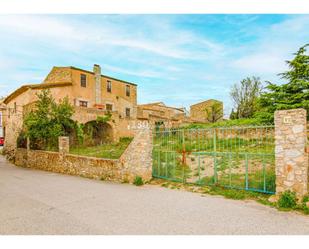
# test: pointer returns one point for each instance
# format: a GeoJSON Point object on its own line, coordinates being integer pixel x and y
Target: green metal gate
{"type": "Point", "coordinates": [234, 157]}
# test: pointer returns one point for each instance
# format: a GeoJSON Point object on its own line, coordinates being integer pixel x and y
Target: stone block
{"type": "Point", "coordinates": [273, 198]}
{"type": "Point", "coordinates": [64, 144]}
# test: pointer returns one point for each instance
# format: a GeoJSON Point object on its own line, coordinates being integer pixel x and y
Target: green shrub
{"type": "Point", "coordinates": [138, 181]}
{"type": "Point", "coordinates": [125, 139]}
{"type": "Point", "coordinates": [287, 200]}
{"type": "Point", "coordinates": [304, 201]}
{"type": "Point", "coordinates": [22, 140]}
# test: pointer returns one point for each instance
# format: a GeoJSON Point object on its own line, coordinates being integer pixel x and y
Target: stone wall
{"type": "Point", "coordinates": [135, 161]}
{"type": "Point", "coordinates": [90, 167]}
{"type": "Point", "coordinates": [59, 74]}
{"type": "Point", "coordinates": [290, 146]}
{"type": "Point", "coordinates": [137, 158]}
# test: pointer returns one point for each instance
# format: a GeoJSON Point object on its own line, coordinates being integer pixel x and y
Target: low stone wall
{"type": "Point", "coordinates": [90, 167]}
{"type": "Point", "coordinates": [135, 161]}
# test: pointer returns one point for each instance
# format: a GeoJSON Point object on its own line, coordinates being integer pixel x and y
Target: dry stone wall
{"type": "Point", "coordinates": [135, 161]}
{"type": "Point", "coordinates": [90, 167]}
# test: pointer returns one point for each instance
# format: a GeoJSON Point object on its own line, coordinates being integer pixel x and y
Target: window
{"type": "Point", "coordinates": [83, 80]}
{"type": "Point", "coordinates": [109, 107]}
{"type": "Point", "coordinates": [127, 112]}
{"type": "Point", "coordinates": [15, 107]}
{"type": "Point", "coordinates": [83, 103]}
{"type": "Point", "coordinates": [109, 86]}
{"type": "Point", "coordinates": [127, 90]}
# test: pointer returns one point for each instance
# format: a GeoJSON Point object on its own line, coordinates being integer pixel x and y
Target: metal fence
{"type": "Point", "coordinates": [234, 157]}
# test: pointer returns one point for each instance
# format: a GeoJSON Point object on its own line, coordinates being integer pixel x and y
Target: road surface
{"type": "Point", "coordinates": [38, 202]}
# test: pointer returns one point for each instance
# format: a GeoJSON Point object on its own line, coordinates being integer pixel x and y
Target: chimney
{"type": "Point", "coordinates": [97, 85]}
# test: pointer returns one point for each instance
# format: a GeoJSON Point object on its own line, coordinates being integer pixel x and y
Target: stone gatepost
{"type": "Point", "coordinates": [137, 158]}
{"type": "Point", "coordinates": [64, 145]}
{"type": "Point", "coordinates": [290, 151]}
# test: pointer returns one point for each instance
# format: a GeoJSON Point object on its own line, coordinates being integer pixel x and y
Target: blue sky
{"type": "Point", "coordinates": [178, 59]}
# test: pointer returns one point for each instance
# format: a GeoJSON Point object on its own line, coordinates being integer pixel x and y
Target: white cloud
{"type": "Point", "coordinates": [273, 47]}
{"type": "Point", "coordinates": [261, 63]}
{"type": "Point", "coordinates": [75, 34]}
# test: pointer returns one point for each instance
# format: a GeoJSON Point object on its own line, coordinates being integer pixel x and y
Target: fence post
{"type": "Point", "coordinates": [291, 158]}
{"type": "Point", "coordinates": [64, 145]}
{"type": "Point", "coordinates": [215, 155]}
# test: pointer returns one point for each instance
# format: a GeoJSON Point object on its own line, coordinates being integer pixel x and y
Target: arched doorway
{"type": "Point", "coordinates": [98, 133]}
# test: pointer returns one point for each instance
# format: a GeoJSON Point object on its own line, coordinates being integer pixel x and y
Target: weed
{"type": "Point", "coordinates": [303, 204]}
{"type": "Point", "coordinates": [287, 200]}
{"type": "Point", "coordinates": [138, 181]}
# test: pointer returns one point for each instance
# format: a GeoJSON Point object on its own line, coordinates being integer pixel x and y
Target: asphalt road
{"type": "Point", "coordinates": [38, 202]}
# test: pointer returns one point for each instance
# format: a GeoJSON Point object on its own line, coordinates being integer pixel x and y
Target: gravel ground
{"type": "Point", "coordinates": [38, 202]}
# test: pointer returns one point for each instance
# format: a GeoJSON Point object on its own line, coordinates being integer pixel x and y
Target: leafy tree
{"type": "Point", "coordinates": [245, 97]}
{"type": "Point", "coordinates": [294, 93]}
{"type": "Point", "coordinates": [214, 112]}
{"type": "Point", "coordinates": [48, 120]}
{"type": "Point", "coordinates": [233, 114]}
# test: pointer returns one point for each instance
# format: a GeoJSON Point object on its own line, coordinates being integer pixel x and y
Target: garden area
{"type": "Point", "coordinates": [108, 150]}
{"type": "Point", "coordinates": [246, 162]}
{"type": "Point", "coordinates": [235, 157]}
{"type": "Point", "coordinates": [48, 120]}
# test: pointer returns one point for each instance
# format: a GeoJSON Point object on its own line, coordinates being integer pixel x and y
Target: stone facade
{"type": "Point", "coordinates": [290, 146]}
{"type": "Point", "coordinates": [135, 161]}
{"type": "Point", "coordinates": [198, 111]}
{"type": "Point", "coordinates": [159, 115]}
{"type": "Point", "coordinates": [59, 74]}
{"type": "Point", "coordinates": [67, 82]}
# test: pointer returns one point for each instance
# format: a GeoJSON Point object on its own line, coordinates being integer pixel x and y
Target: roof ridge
{"type": "Point", "coordinates": [102, 75]}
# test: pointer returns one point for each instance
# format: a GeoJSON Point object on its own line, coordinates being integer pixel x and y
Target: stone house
{"type": "Point", "coordinates": [159, 115]}
{"type": "Point", "coordinates": [91, 93]}
{"type": "Point", "coordinates": [198, 111]}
